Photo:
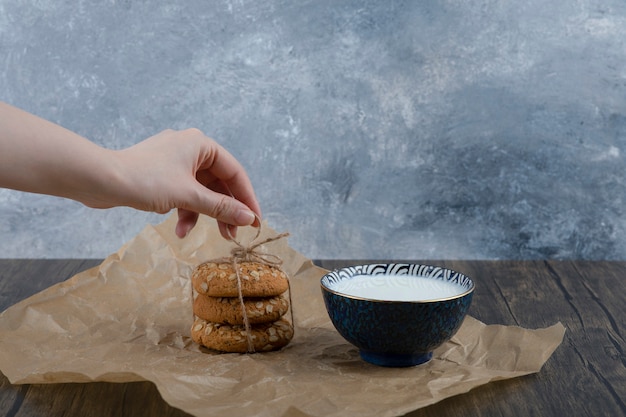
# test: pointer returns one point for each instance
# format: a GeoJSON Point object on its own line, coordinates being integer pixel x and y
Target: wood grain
{"type": "Point", "coordinates": [586, 376]}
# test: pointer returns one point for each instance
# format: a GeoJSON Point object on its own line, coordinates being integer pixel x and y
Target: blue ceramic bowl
{"type": "Point", "coordinates": [396, 314]}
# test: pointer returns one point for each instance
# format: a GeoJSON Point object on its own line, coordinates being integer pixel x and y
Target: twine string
{"type": "Point", "coordinates": [249, 253]}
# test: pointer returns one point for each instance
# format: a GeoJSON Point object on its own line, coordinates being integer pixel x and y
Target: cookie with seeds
{"type": "Point", "coordinates": [218, 279]}
{"type": "Point", "coordinates": [227, 310]}
{"type": "Point", "coordinates": [233, 338]}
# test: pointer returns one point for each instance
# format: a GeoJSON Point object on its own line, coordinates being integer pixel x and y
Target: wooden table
{"type": "Point", "coordinates": [586, 376]}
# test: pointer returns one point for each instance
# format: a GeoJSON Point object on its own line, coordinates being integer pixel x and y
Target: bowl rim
{"type": "Point", "coordinates": [376, 300]}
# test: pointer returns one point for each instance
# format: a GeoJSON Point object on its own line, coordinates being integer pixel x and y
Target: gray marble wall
{"type": "Point", "coordinates": [407, 129]}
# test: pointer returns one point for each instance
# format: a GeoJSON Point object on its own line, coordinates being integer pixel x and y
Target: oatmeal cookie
{"type": "Point", "coordinates": [232, 338]}
{"type": "Point", "coordinates": [227, 310]}
{"type": "Point", "coordinates": [257, 280]}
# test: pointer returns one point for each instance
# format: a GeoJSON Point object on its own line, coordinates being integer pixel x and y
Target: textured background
{"type": "Point", "coordinates": [404, 129]}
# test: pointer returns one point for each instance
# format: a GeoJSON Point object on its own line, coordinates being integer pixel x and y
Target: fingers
{"type": "Point", "coordinates": [231, 178]}
{"type": "Point", "coordinates": [220, 187]}
{"type": "Point", "coordinates": [225, 191]}
{"type": "Point", "coordinates": [227, 210]}
{"type": "Point", "coordinates": [186, 221]}
{"type": "Point", "coordinates": [227, 231]}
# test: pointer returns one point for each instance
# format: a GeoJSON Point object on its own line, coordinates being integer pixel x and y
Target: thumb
{"type": "Point", "coordinates": [221, 207]}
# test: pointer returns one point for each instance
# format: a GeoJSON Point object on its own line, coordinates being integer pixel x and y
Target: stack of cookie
{"type": "Point", "coordinates": [219, 319]}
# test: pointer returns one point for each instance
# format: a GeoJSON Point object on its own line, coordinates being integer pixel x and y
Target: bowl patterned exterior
{"type": "Point", "coordinates": [396, 333]}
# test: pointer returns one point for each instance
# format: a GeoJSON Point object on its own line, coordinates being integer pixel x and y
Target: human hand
{"type": "Point", "coordinates": [188, 171]}
{"type": "Point", "coordinates": [174, 169]}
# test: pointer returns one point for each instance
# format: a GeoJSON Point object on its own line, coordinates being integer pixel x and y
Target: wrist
{"type": "Point", "coordinates": [99, 182]}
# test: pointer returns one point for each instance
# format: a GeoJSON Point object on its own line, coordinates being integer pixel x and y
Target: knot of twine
{"type": "Point", "coordinates": [249, 253]}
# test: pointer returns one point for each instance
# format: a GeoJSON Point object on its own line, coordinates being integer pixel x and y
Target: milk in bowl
{"type": "Point", "coordinates": [386, 287]}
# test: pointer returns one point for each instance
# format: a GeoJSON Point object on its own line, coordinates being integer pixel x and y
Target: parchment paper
{"type": "Point", "coordinates": [128, 319]}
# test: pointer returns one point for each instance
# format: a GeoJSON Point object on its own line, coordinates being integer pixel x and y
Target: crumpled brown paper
{"type": "Point", "coordinates": [128, 320]}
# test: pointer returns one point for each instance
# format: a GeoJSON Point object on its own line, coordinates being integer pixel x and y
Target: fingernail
{"type": "Point", "coordinates": [244, 217]}
{"type": "Point", "coordinates": [182, 231]}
